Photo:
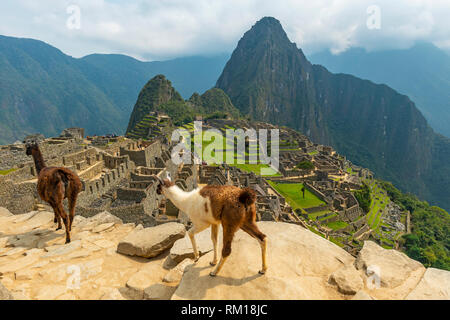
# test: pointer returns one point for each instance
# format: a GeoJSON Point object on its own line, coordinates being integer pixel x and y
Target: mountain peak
{"type": "Point", "coordinates": [269, 21]}
{"type": "Point", "coordinates": [266, 29]}
{"type": "Point", "coordinates": [156, 92]}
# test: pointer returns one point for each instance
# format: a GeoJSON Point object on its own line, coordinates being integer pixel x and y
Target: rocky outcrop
{"type": "Point", "coordinates": [435, 285]}
{"type": "Point", "coordinates": [390, 267]}
{"type": "Point", "coordinates": [150, 242]}
{"type": "Point", "coordinates": [299, 261]}
{"type": "Point", "coordinates": [302, 265]}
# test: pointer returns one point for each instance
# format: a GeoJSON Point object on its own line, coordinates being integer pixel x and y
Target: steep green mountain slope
{"type": "Point", "coordinates": [428, 242]}
{"type": "Point", "coordinates": [214, 100]}
{"type": "Point", "coordinates": [156, 92]}
{"type": "Point", "coordinates": [269, 78]}
{"type": "Point", "coordinates": [159, 95]}
{"type": "Point", "coordinates": [422, 72]}
{"type": "Point", "coordinates": [44, 90]}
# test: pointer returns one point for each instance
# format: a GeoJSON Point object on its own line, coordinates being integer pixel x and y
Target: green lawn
{"type": "Point", "coordinates": [312, 216]}
{"type": "Point", "coordinates": [256, 168]}
{"type": "Point", "coordinates": [337, 225]}
{"type": "Point", "coordinates": [293, 194]}
{"type": "Point", "coordinates": [213, 156]}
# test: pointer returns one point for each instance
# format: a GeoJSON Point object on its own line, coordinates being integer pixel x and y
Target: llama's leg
{"type": "Point", "coordinates": [253, 230]}
{"type": "Point", "coordinates": [66, 220]}
{"type": "Point", "coordinates": [57, 217]}
{"type": "Point", "coordinates": [214, 236]}
{"type": "Point", "coordinates": [72, 202]}
{"type": "Point", "coordinates": [196, 229]}
{"type": "Point", "coordinates": [228, 234]}
{"type": "Point", "coordinates": [59, 197]}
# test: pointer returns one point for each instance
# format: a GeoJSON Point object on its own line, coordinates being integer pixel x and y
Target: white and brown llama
{"type": "Point", "coordinates": [212, 205]}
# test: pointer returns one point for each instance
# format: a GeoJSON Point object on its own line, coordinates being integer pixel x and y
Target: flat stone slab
{"type": "Point", "coordinates": [24, 217]}
{"type": "Point", "coordinates": [435, 285]}
{"type": "Point", "coordinates": [18, 264]}
{"type": "Point", "coordinates": [39, 219]}
{"type": "Point", "coordinates": [150, 242]}
{"type": "Point", "coordinates": [60, 250]}
{"type": "Point", "coordinates": [50, 292]}
{"type": "Point", "coordinates": [97, 220]}
{"type": "Point", "coordinates": [103, 227]}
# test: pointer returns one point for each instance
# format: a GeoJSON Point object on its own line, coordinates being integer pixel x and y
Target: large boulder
{"type": "Point", "coordinates": [435, 285]}
{"type": "Point", "coordinates": [150, 242]}
{"type": "Point", "coordinates": [4, 293]}
{"type": "Point", "coordinates": [391, 267]}
{"type": "Point", "coordinates": [299, 265]}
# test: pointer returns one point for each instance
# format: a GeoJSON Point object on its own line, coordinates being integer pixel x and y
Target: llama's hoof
{"type": "Point", "coordinates": [262, 271]}
{"type": "Point", "coordinates": [58, 228]}
{"type": "Point", "coordinates": [212, 263]}
{"type": "Point", "coordinates": [196, 259]}
{"type": "Point", "coordinates": [212, 274]}
{"type": "Point", "coordinates": [67, 241]}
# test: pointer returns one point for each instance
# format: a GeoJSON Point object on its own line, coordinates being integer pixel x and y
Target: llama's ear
{"type": "Point", "coordinates": [168, 176]}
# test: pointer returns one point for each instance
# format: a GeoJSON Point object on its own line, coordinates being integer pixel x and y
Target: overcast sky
{"type": "Point", "coordinates": [158, 30]}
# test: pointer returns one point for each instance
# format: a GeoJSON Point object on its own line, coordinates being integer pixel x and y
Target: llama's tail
{"type": "Point", "coordinates": [247, 196]}
{"type": "Point", "coordinates": [70, 180]}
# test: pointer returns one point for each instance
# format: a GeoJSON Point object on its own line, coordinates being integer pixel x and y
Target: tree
{"type": "Point", "coordinates": [363, 197]}
{"type": "Point", "coordinates": [305, 165]}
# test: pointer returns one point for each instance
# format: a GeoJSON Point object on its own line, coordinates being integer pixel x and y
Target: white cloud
{"type": "Point", "coordinates": [168, 28]}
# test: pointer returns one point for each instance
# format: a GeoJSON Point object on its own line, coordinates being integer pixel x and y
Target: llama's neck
{"type": "Point", "coordinates": [38, 160]}
{"type": "Point", "coordinates": [180, 198]}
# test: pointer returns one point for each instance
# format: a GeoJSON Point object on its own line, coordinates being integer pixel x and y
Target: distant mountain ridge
{"type": "Point", "coordinates": [43, 90]}
{"type": "Point", "coordinates": [270, 79]}
{"type": "Point", "coordinates": [422, 72]}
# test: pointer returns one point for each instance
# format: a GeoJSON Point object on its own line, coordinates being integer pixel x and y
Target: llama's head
{"type": "Point", "coordinates": [163, 184]}
{"type": "Point", "coordinates": [30, 146]}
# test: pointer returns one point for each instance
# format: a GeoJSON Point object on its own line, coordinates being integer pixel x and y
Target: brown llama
{"type": "Point", "coordinates": [212, 205]}
{"type": "Point", "coordinates": [54, 185]}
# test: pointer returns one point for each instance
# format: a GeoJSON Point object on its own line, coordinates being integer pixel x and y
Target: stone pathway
{"type": "Point", "coordinates": [36, 264]}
